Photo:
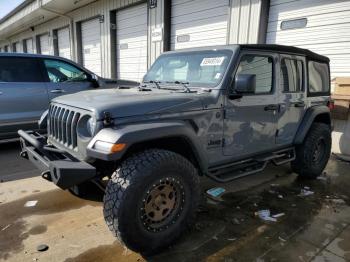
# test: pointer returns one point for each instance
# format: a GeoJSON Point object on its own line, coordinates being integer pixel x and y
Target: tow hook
{"type": "Point", "coordinates": [24, 154]}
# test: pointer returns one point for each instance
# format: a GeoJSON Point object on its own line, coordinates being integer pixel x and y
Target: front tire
{"type": "Point", "coordinates": [151, 199]}
{"type": "Point", "coordinates": [312, 156]}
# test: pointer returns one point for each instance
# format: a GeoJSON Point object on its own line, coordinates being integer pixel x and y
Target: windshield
{"type": "Point", "coordinates": [197, 69]}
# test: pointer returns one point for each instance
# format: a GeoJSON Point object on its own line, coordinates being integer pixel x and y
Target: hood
{"type": "Point", "coordinates": [132, 102]}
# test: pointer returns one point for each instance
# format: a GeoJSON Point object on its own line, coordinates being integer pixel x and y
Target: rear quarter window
{"type": "Point", "coordinates": [318, 78]}
{"type": "Point", "coordinates": [19, 69]}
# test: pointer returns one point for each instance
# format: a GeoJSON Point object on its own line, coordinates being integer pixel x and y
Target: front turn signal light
{"type": "Point", "coordinates": [117, 148]}
{"type": "Point", "coordinates": [109, 147]}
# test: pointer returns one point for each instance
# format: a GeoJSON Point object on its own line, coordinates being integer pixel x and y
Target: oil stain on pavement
{"type": "Point", "coordinates": [13, 226]}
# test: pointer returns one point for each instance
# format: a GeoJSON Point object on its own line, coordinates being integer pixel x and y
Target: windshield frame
{"type": "Point", "coordinates": [227, 52]}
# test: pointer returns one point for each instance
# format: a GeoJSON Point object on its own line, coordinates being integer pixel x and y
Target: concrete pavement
{"type": "Point", "coordinates": [314, 227]}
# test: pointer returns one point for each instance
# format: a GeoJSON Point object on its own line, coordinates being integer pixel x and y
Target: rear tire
{"type": "Point", "coordinates": [151, 199]}
{"type": "Point", "coordinates": [312, 156]}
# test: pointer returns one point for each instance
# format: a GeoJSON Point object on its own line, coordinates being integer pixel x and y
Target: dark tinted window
{"type": "Point", "coordinates": [291, 75]}
{"type": "Point", "coordinates": [19, 69]}
{"type": "Point", "coordinates": [318, 77]}
{"type": "Point", "coordinates": [261, 66]}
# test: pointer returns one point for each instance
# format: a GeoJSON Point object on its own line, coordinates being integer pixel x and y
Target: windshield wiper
{"type": "Point", "coordinates": [184, 85]}
{"type": "Point", "coordinates": [156, 83]}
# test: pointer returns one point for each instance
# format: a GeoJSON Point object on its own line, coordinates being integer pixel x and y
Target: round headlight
{"type": "Point", "coordinates": [86, 127]}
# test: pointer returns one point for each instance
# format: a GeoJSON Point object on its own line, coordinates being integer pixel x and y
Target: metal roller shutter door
{"type": "Point", "coordinates": [91, 45]}
{"type": "Point", "coordinates": [63, 40]}
{"type": "Point", "coordinates": [44, 44]}
{"type": "Point", "coordinates": [327, 29]}
{"type": "Point", "coordinates": [18, 47]}
{"type": "Point", "coordinates": [199, 23]}
{"type": "Point", "coordinates": [29, 45]}
{"type": "Point", "coordinates": [132, 42]}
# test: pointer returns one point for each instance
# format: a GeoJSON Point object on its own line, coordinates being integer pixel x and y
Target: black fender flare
{"type": "Point", "coordinates": [307, 121]}
{"type": "Point", "coordinates": [132, 134]}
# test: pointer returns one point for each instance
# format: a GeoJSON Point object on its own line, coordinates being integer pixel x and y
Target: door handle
{"type": "Point", "coordinates": [57, 91]}
{"type": "Point", "coordinates": [271, 107]}
{"type": "Point", "coordinates": [299, 104]}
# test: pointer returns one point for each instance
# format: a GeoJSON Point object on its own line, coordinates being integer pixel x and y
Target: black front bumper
{"type": "Point", "coordinates": [56, 165]}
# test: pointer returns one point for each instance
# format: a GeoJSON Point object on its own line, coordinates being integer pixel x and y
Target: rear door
{"type": "Point", "coordinates": [64, 78]}
{"type": "Point", "coordinates": [23, 94]}
{"type": "Point", "coordinates": [291, 97]}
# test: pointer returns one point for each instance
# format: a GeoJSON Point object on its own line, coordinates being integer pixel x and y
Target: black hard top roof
{"type": "Point", "coordinates": [287, 49]}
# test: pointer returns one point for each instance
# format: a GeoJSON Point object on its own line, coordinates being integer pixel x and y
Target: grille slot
{"type": "Point", "coordinates": [63, 125]}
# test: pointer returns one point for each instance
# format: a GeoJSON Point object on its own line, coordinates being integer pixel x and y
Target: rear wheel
{"type": "Point", "coordinates": [312, 156]}
{"type": "Point", "coordinates": [151, 199]}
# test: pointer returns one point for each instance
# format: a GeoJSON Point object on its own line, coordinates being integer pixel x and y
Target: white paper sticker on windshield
{"type": "Point", "coordinates": [212, 61]}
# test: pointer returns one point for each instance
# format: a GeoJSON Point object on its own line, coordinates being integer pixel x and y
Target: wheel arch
{"type": "Point", "coordinates": [319, 114]}
{"type": "Point", "coordinates": [178, 136]}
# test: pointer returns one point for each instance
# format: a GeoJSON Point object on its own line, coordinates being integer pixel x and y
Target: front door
{"type": "Point", "coordinates": [291, 97]}
{"type": "Point", "coordinates": [64, 78]}
{"type": "Point", "coordinates": [23, 95]}
{"type": "Point", "coordinates": [250, 122]}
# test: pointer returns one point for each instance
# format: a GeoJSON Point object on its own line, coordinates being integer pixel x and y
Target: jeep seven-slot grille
{"type": "Point", "coordinates": [63, 125]}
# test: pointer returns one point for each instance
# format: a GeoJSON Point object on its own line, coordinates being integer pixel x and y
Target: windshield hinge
{"type": "Point", "coordinates": [107, 119]}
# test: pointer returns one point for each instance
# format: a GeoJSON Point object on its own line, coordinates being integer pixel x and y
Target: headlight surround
{"type": "Point", "coordinates": [91, 126]}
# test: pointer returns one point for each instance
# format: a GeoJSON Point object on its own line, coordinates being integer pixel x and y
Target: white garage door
{"type": "Point", "coordinates": [44, 44]}
{"type": "Point", "coordinates": [322, 26]}
{"type": "Point", "coordinates": [63, 41]}
{"type": "Point", "coordinates": [18, 47]}
{"type": "Point", "coordinates": [91, 45]}
{"type": "Point", "coordinates": [29, 45]}
{"type": "Point", "coordinates": [132, 42]}
{"type": "Point", "coordinates": [198, 23]}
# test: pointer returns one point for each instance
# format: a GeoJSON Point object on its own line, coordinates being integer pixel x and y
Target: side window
{"type": "Point", "coordinates": [291, 75]}
{"type": "Point", "coordinates": [261, 67]}
{"type": "Point", "coordinates": [59, 71]}
{"type": "Point", "coordinates": [19, 69]}
{"type": "Point", "coordinates": [318, 77]}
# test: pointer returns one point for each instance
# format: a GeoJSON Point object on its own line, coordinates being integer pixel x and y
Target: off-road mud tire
{"type": "Point", "coordinates": [124, 199]}
{"type": "Point", "coordinates": [305, 164]}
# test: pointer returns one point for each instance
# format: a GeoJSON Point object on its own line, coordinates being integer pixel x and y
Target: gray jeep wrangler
{"type": "Point", "coordinates": [224, 112]}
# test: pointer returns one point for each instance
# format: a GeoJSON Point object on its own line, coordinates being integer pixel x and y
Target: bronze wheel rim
{"type": "Point", "coordinates": [162, 204]}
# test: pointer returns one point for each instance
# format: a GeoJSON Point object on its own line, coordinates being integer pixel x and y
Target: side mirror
{"type": "Point", "coordinates": [94, 79]}
{"type": "Point", "coordinates": [245, 83]}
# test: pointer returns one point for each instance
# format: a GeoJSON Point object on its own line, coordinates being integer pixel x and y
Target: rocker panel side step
{"type": "Point", "coordinates": [242, 168]}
